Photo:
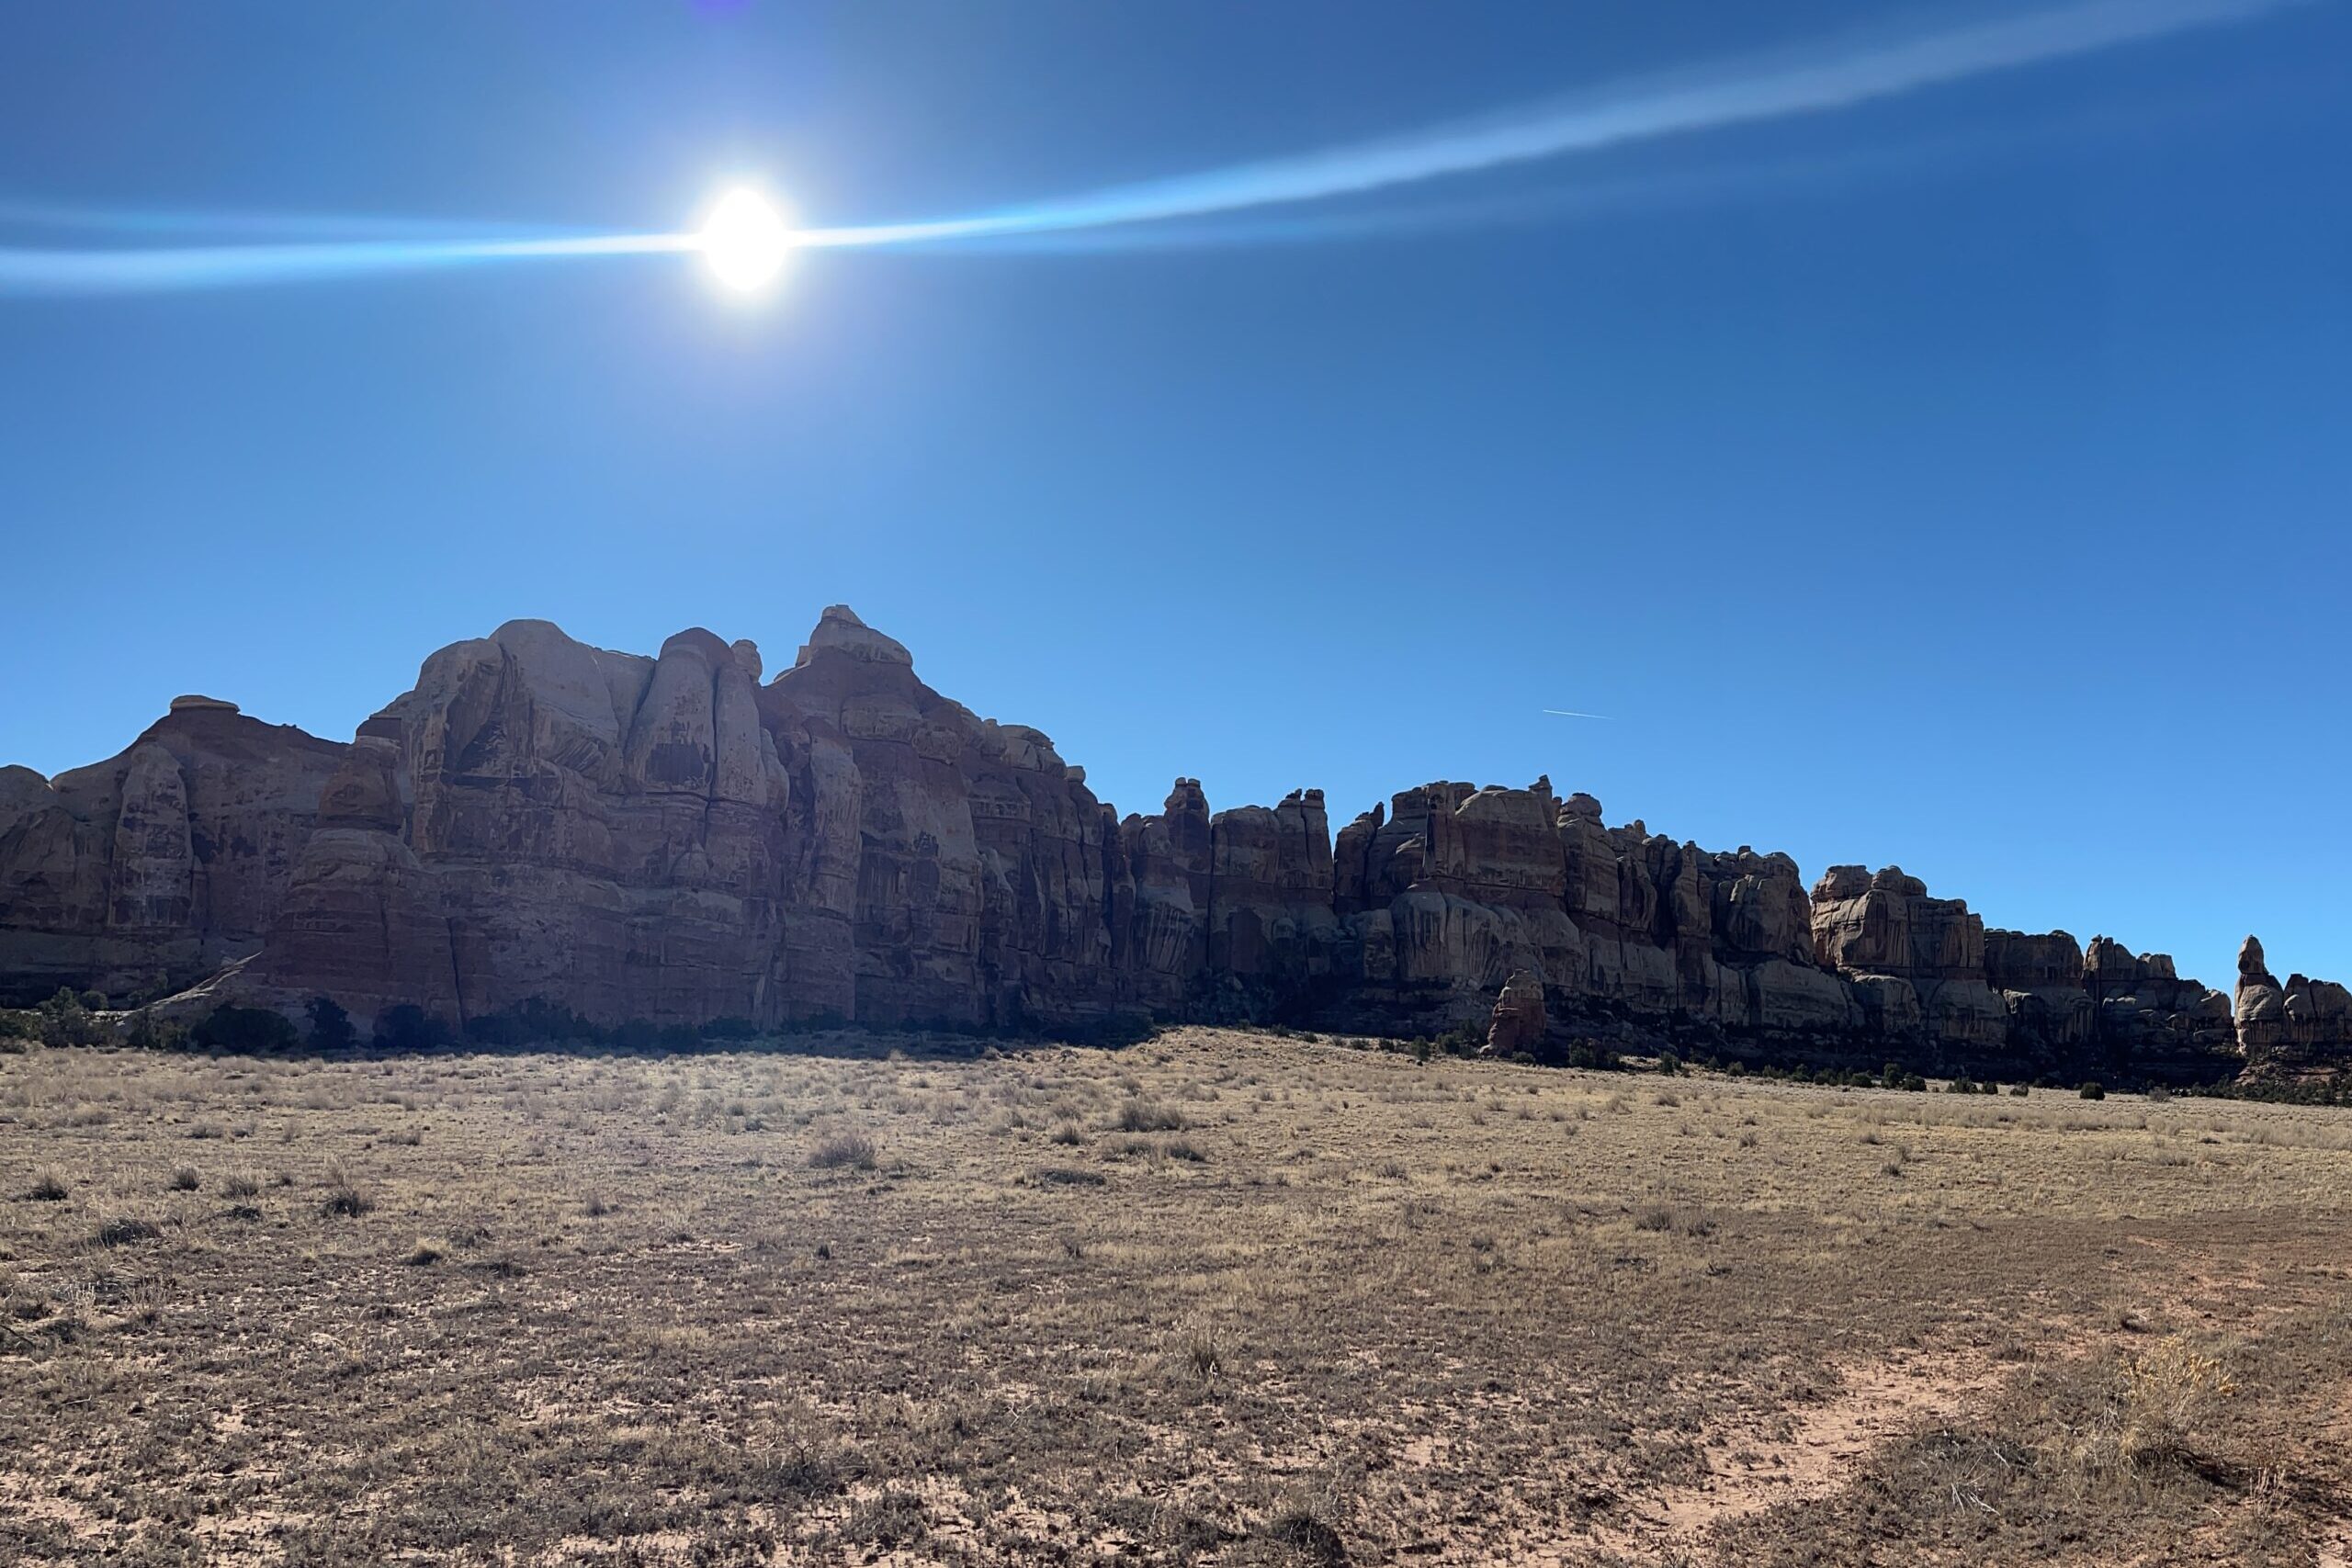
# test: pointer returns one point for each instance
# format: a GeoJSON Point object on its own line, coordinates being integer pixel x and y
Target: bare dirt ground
{"type": "Point", "coordinates": [1222, 1298]}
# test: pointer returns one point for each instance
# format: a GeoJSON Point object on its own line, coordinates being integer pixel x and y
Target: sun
{"type": "Point", "coordinates": [745, 241]}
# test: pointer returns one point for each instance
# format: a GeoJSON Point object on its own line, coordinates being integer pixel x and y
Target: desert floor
{"type": "Point", "coordinates": [1219, 1298]}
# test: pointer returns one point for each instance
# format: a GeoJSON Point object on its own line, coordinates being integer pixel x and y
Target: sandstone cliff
{"type": "Point", "coordinates": [148, 869]}
{"type": "Point", "coordinates": [676, 839]}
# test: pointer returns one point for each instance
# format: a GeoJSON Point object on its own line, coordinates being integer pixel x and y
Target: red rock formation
{"type": "Point", "coordinates": [2296, 1028]}
{"type": "Point", "coordinates": [541, 818]}
{"type": "Point", "coordinates": [1270, 892]}
{"type": "Point", "coordinates": [976, 860]}
{"type": "Point", "coordinates": [2039, 979]}
{"type": "Point", "coordinates": [157, 865]}
{"type": "Point", "coordinates": [1517, 1025]}
{"type": "Point", "coordinates": [1161, 884]}
{"type": "Point", "coordinates": [1917, 963]}
{"type": "Point", "coordinates": [669, 839]}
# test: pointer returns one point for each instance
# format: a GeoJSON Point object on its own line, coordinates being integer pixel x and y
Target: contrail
{"type": "Point", "coordinates": [1750, 92]}
{"type": "Point", "coordinates": [1571, 713]}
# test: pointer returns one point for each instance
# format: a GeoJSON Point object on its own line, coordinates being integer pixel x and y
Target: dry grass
{"type": "Point", "coordinates": [1221, 1298]}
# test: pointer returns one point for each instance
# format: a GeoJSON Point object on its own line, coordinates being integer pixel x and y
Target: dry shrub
{"type": "Point", "coordinates": [344, 1198]}
{"type": "Point", "coordinates": [124, 1229]}
{"type": "Point", "coordinates": [1141, 1115]}
{"type": "Point", "coordinates": [2162, 1399]}
{"type": "Point", "coordinates": [2169, 1390]}
{"type": "Point", "coordinates": [1305, 1538]}
{"type": "Point", "coordinates": [835, 1150]}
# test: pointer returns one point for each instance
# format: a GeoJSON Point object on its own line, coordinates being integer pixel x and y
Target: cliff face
{"type": "Point", "coordinates": [671, 838]}
{"type": "Point", "coordinates": [158, 866]}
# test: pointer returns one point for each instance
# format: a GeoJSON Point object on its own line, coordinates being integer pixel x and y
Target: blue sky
{"type": "Point", "coordinates": [1958, 478]}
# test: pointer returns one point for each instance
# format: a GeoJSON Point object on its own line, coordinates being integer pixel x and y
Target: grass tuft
{"type": "Point", "coordinates": [834, 1151]}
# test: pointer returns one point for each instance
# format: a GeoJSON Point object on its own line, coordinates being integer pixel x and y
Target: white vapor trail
{"type": "Point", "coordinates": [1571, 713]}
{"type": "Point", "coordinates": [1743, 93]}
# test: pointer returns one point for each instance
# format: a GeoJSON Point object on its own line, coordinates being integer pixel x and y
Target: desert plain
{"type": "Point", "coordinates": [1221, 1297]}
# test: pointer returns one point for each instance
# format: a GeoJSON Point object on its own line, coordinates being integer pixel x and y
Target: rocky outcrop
{"type": "Point", "coordinates": [2145, 1013]}
{"type": "Point", "coordinates": [156, 866]}
{"type": "Point", "coordinates": [1159, 899]}
{"type": "Point", "coordinates": [2104, 1006]}
{"type": "Point", "coordinates": [538, 819]}
{"type": "Point", "coordinates": [1920, 962]}
{"type": "Point", "coordinates": [1271, 922]}
{"type": "Point", "coordinates": [2300, 1027]}
{"type": "Point", "coordinates": [1517, 1025]}
{"type": "Point", "coordinates": [682, 839]}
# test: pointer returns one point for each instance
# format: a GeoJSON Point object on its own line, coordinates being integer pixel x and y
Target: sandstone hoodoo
{"type": "Point", "coordinates": [1517, 1027]}
{"type": "Point", "coordinates": [2292, 1028]}
{"type": "Point", "coordinates": [680, 839]}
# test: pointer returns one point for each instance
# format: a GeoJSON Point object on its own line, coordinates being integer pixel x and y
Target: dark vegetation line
{"type": "Point", "coordinates": [71, 1019]}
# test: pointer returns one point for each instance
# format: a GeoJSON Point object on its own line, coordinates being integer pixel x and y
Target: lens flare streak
{"type": "Point", "coordinates": [1745, 93]}
{"type": "Point", "coordinates": [221, 266]}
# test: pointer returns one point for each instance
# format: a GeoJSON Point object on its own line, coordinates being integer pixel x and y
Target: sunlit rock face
{"type": "Point", "coordinates": [144, 871]}
{"type": "Point", "coordinates": [680, 839]}
{"type": "Point", "coordinates": [542, 819]}
{"type": "Point", "coordinates": [964, 870]}
{"type": "Point", "coordinates": [1883, 926]}
{"type": "Point", "coordinates": [1452, 889]}
{"type": "Point", "coordinates": [2301, 1026]}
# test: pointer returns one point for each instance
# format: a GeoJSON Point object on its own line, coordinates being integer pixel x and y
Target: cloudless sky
{"type": "Point", "coordinates": [1959, 481]}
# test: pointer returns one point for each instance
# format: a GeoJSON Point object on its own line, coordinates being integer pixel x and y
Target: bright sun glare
{"type": "Point", "coordinates": [745, 241]}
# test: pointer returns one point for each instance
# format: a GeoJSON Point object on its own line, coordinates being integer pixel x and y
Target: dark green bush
{"type": "Point", "coordinates": [532, 1022]}
{"type": "Point", "coordinates": [2093, 1090]}
{"type": "Point", "coordinates": [1462, 1040]}
{"type": "Point", "coordinates": [410, 1028]}
{"type": "Point", "coordinates": [330, 1027]}
{"type": "Point", "coordinates": [148, 1032]}
{"type": "Point", "coordinates": [67, 1020]}
{"type": "Point", "coordinates": [234, 1028]}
